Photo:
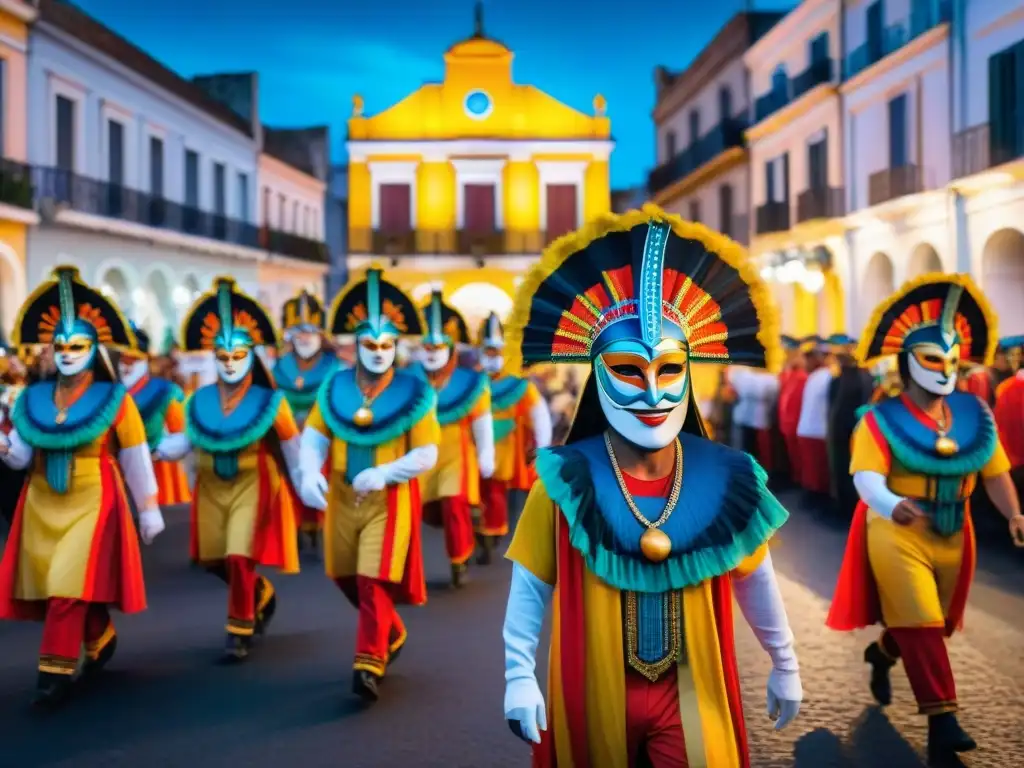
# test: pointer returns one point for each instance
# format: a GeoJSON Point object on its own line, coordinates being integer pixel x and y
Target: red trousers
{"type": "Point", "coordinates": [815, 472]}
{"type": "Point", "coordinates": [69, 623]}
{"type": "Point", "coordinates": [494, 516]}
{"type": "Point", "coordinates": [653, 724]}
{"type": "Point", "coordinates": [454, 515]}
{"type": "Point", "coordinates": [310, 519]}
{"type": "Point", "coordinates": [926, 661]}
{"type": "Point", "coordinates": [381, 631]}
{"type": "Point", "coordinates": [766, 449]}
{"type": "Point", "coordinates": [239, 573]}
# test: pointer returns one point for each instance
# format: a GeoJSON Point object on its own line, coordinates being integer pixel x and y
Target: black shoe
{"type": "Point", "coordinates": [393, 654]}
{"type": "Point", "coordinates": [946, 738]}
{"type": "Point", "coordinates": [365, 685]}
{"type": "Point", "coordinates": [52, 690]}
{"type": "Point", "coordinates": [236, 649]}
{"type": "Point", "coordinates": [484, 544]}
{"type": "Point", "coordinates": [458, 575]}
{"type": "Point", "coordinates": [94, 666]}
{"type": "Point", "coordinates": [265, 614]}
{"type": "Point", "coordinates": [881, 686]}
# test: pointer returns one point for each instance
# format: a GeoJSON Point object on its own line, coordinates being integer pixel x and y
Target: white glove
{"type": "Point", "coordinates": [151, 525]}
{"type": "Point", "coordinates": [524, 704]}
{"type": "Point", "coordinates": [369, 480]}
{"type": "Point", "coordinates": [487, 470]}
{"type": "Point", "coordinates": [784, 696]}
{"type": "Point", "coordinates": [313, 490]}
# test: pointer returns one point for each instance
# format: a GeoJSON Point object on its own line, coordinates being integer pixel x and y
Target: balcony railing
{"type": "Point", "coordinates": [820, 203]}
{"type": "Point", "coordinates": [296, 246]}
{"type": "Point", "coordinates": [726, 135]}
{"type": "Point", "coordinates": [114, 201]}
{"type": "Point", "coordinates": [891, 183]}
{"type": "Point", "coordinates": [446, 241]}
{"type": "Point", "coordinates": [772, 217]}
{"type": "Point", "coordinates": [817, 73]}
{"type": "Point", "coordinates": [976, 150]}
{"type": "Point", "coordinates": [778, 98]}
{"type": "Point", "coordinates": [771, 102]}
{"type": "Point", "coordinates": [15, 184]}
{"type": "Point", "coordinates": [923, 18]}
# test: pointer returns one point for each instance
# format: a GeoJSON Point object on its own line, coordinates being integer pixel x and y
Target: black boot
{"type": "Point", "coordinates": [458, 575]}
{"type": "Point", "coordinates": [484, 544]}
{"type": "Point", "coordinates": [881, 687]}
{"type": "Point", "coordinates": [236, 649]}
{"type": "Point", "coordinates": [946, 738]}
{"type": "Point", "coordinates": [365, 685]}
{"type": "Point", "coordinates": [265, 614]}
{"type": "Point", "coordinates": [52, 690]}
{"type": "Point", "coordinates": [95, 666]}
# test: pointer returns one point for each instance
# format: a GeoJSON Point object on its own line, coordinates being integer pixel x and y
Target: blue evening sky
{"type": "Point", "coordinates": [313, 55]}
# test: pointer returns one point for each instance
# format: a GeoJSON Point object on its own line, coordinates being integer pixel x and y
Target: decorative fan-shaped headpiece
{"type": "Point", "coordinates": [303, 312]}
{"type": "Point", "coordinates": [445, 324]}
{"type": "Point", "coordinates": [226, 318]}
{"type": "Point", "coordinates": [65, 306]}
{"type": "Point", "coordinates": [644, 276]}
{"type": "Point", "coordinates": [1011, 342]}
{"type": "Point", "coordinates": [374, 307]}
{"type": "Point", "coordinates": [142, 345]}
{"type": "Point", "coordinates": [492, 332]}
{"type": "Point", "coordinates": [936, 309]}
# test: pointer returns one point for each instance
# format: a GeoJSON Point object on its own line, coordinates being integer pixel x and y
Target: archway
{"type": "Point", "coordinates": [114, 285]}
{"type": "Point", "coordinates": [879, 284]}
{"type": "Point", "coordinates": [161, 313]}
{"type": "Point", "coordinates": [12, 289]}
{"type": "Point", "coordinates": [1002, 278]}
{"type": "Point", "coordinates": [923, 259]}
{"type": "Point", "coordinates": [477, 300]}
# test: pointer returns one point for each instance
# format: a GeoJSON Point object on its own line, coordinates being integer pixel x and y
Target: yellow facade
{"type": "Point", "coordinates": [514, 137]}
{"type": "Point", "coordinates": [16, 214]}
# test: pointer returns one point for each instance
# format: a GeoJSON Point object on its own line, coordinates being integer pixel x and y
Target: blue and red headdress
{"type": "Point", "coordinates": [936, 308]}
{"type": "Point", "coordinates": [646, 276]}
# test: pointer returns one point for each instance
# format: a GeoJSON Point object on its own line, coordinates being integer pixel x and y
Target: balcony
{"type": "Point", "coordinates": [892, 183]}
{"type": "Point", "coordinates": [422, 242]}
{"type": "Point", "coordinates": [820, 203]}
{"type": "Point", "coordinates": [15, 184]}
{"type": "Point", "coordinates": [724, 136]}
{"type": "Point", "coordinates": [922, 19]}
{"type": "Point", "coordinates": [817, 73]}
{"type": "Point", "coordinates": [772, 217]}
{"type": "Point", "coordinates": [976, 150]}
{"type": "Point", "coordinates": [101, 198]}
{"type": "Point", "coordinates": [296, 246]}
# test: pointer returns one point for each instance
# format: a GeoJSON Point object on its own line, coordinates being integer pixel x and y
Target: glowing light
{"type": "Point", "coordinates": [768, 273]}
{"type": "Point", "coordinates": [180, 296]}
{"type": "Point", "coordinates": [139, 296]}
{"type": "Point", "coordinates": [108, 290]}
{"type": "Point", "coordinates": [813, 280]}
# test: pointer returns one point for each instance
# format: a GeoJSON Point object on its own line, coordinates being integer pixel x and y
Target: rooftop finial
{"type": "Point", "coordinates": [478, 20]}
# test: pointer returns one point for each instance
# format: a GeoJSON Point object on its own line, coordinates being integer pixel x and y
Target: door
{"type": "Point", "coordinates": [479, 210]}
{"type": "Point", "coordinates": [1006, 104]}
{"type": "Point", "coordinates": [875, 30]}
{"type": "Point", "coordinates": [561, 210]}
{"type": "Point", "coordinates": [395, 209]}
{"type": "Point", "coordinates": [898, 150]}
{"type": "Point", "coordinates": [817, 164]}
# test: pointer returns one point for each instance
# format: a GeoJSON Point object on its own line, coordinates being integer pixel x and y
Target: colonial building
{"type": "Point", "coordinates": [795, 143]}
{"type": "Point", "coordinates": [143, 179]}
{"type": "Point", "coordinates": [337, 229]}
{"type": "Point", "coordinates": [699, 117]}
{"type": "Point", "coordinates": [467, 179]}
{"type": "Point", "coordinates": [988, 152]}
{"type": "Point", "coordinates": [293, 172]}
{"type": "Point", "coordinates": [16, 209]}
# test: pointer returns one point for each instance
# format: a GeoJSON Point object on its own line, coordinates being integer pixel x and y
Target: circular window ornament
{"type": "Point", "coordinates": [478, 105]}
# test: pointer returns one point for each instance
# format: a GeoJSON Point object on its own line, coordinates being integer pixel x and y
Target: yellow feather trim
{"type": "Point", "coordinates": [556, 254]}
{"type": "Point", "coordinates": [932, 278]}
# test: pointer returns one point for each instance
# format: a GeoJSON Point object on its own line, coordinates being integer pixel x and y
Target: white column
{"type": "Point", "coordinates": [853, 322]}
{"type": "Point", "coordinates": [961, 236]}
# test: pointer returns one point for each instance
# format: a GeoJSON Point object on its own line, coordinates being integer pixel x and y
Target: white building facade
{"type": "Point", "coordinates": [143, 181]}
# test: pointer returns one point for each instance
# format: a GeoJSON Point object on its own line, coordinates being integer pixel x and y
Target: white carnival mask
{"type": "Point", "coordinates": [435, 356]}
{"type": "Point", "coordinates": [377, 353]}
{"type": "Point", "coordinates": [132, 370]}
{"type": "Point", "coordinates": [234, 364]}
{"type": "Point", "coordinates": [307, 344]}
{"type": "Point", "coordinates": [644, 393]}
{"type": "Point", "coordinates": [934, 368]}
{"type": "Point", "coordinates": [73, 354]}
{"type": "Point", "coordinates": [492, 360]}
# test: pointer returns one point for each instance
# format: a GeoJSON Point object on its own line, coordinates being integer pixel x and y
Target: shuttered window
{"type": "Point", "coordinates": [898, 150]}
{"type": "Point", "coordinates": [395, 211]}
{"type": "Point", "coordinates": [1006, 104]}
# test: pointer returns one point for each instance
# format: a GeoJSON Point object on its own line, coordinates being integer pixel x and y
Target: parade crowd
{"type": "Point", "coordinates": [349, 427]}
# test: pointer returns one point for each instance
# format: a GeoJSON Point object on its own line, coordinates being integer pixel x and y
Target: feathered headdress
{"type": "Point", "coordinates": [1011, 342]}
{"type": "Point", "coordinates": [643, 275]}
{"type": "Point", "coordinates": [492, 332]}
{"type": "Point", "coordinates": [445, 324]}
{"type": "Point", "coordinates": [374, 307]}
{"type": "Point", "coordinates": [227, 317]}
{"type": "Point", "coordinates": [935, 308]}
{"type": "Point", "coordinates": [303, 312]}
{"type": "Point", "coordinates": [142, 341]}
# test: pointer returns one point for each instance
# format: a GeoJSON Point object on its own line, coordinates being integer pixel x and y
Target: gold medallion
{"type": "Point", "coordinates": [363, 417]}
{"type": "Point", "coordinates": [946, 446]}
{"type": "Point", "coordinates": [299, 381]}
{"type": "Point", "coordinates": [656, 545]}
{"type": "Point", "coordinates": [62, 416]}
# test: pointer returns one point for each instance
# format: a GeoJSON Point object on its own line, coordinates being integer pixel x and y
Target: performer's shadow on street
{"type": "Point", "coordinates": [876, 742]}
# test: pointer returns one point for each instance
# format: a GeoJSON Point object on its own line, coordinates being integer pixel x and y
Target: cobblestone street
{"type": "Point", "coordinates": [165, 703]}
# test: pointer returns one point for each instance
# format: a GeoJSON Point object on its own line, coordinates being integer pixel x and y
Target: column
{"type": "Point", "coordinates": [853, 323]}
{"type": "Point", "coordinates": [522, 206]}
{"type": "Point", "coordinates": [597, 190]}
{"type": "Point", "coordinates": [435, 206]}
{"type": "Point", "coordinates": [961, 234]}
{"type": "Point", "coordinates": [360, 191]}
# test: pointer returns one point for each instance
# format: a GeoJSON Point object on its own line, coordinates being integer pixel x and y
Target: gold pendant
{"type": "Point", "coordinates": [62, 416]}
{"type": "Point", "coordinates": [299, 381]}
{"type": "Point", "coordinates": [656, 545]}
{"type": "Point", "coordinates": [946, 446]}
{"type": "Point", "coordinates": [363, 417]}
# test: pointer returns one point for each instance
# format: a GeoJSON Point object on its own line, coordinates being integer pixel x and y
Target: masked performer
{"type": "Point", "coordinates": [850, 391]}
{"type": "Point", "coordinates": [451, 489]}
{"type": "Point", "coordinates": [522, 424]}
{"type": "Point", "coordinates": [812, 429]}
{"type": "Point", "coordinates": [1009, 415]}
{"type": "Point", "coordinates": [160, 404]}
{"type": "Point", "coordinates": [916, 459]}
{"type": "Point", "coordinates": [73, 550]}
{"type": "Point", "coordinates": [247, 444]}
{"type": "Point", "coordinates": [1012, 347]}
{"type": "Point", "coordinates": [379, 428]}
{"type": "Point", "coordinates": [640, 527]}
{"type": "Point", "coordinates": [300, 373]}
